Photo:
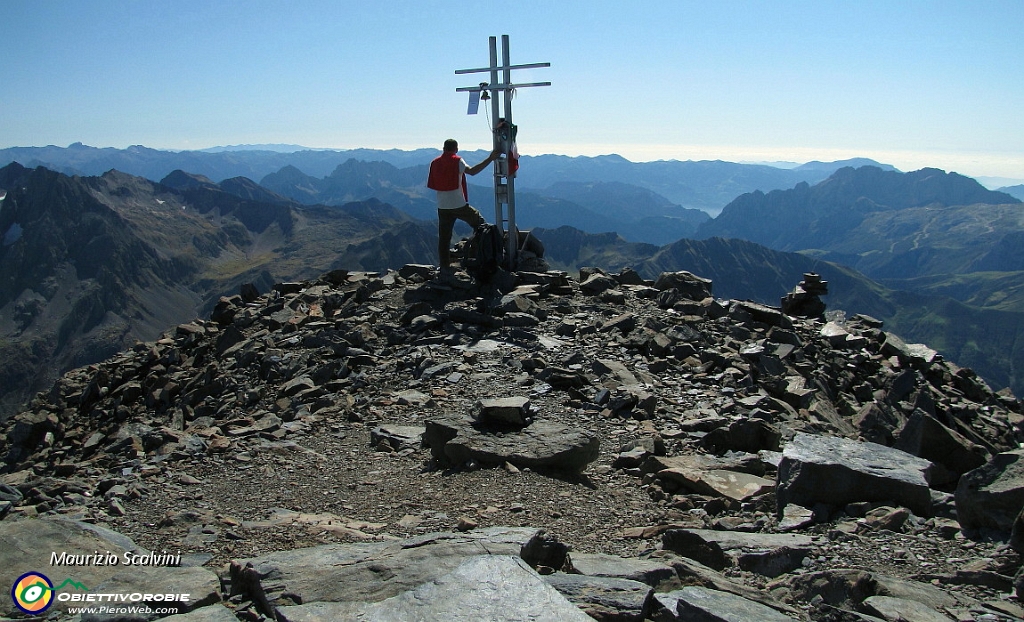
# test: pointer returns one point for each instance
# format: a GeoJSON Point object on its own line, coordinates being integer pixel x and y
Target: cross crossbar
{"type": "Point", "coordinates": [498, 87]}
{"type": "Point", "coordinates": [502, 68]}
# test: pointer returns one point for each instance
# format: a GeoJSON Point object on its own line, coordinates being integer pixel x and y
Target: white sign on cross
{"type": "Point", "coordinates": [504, 134]}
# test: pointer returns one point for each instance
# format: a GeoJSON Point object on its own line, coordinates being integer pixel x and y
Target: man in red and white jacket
{"type": "Point", "coordinates": [448, 177]}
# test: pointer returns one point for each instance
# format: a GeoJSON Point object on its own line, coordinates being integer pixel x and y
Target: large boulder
{"type": "Point", "coordinates": [837, 471]}
{"type": "Point", "coordinates": [992, 495]}
{"type": "Point", "coordinates": [926, 437]}
{"type": "Point", "coordinates": [688, 284]}
{"type": "Point", "coordinates": [606, 599]}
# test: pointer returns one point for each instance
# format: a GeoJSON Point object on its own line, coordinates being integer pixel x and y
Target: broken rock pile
{"type": "Point", "coordinates": [702, 457]}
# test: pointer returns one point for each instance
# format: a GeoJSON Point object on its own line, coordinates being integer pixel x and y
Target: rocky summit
{"type": "Point", "coordinates": [390, 446]}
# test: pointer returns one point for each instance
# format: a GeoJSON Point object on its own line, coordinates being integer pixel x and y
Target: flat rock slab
{"type": "Point", "coordinates": [705, 605]}
{"type": "Point", "coordinates": [201, 584]}
{"type": "Point", "coordinates": [397, 436]}
{"type": "Point", "coordinates": [374, 571]}
{"type": "Point", "coordinates": [411, 396]}
{"type": "Point", "coordinates": [647, 571]}
{"type": "Point", "coordinates": [213, 613]}
{"type": "Point", "coordinates": [541, 445]}
{"type": "Point", "coordinates": [731, 541]}
{"type": "Point", "coordinates": [902, 610]}
{"type": "Point", "coordinates": [27, 545]}
{"type": "Point", "coordinates": [837, 471]}
{"type": "Point", "coordinates": [691, 571]}
{"type": "Point", "coordinates": [719, 482]}
{"type": "Point", "coordinates": [487, 587]}
{"type": "Point", "coordinates": [769, 554]}
{"type": "Point", "coordinates": [605, 598]}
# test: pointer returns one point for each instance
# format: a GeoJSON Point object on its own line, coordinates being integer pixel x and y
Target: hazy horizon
{"type": "Point", "coordinates": [911, 84]}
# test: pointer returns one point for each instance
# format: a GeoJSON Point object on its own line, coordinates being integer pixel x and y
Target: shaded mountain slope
{"type": "Point", "coordinates": [89, 265]}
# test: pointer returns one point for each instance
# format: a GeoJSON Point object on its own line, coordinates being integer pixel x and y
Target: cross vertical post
{"type": "Point", "coordinates": [504, 132]}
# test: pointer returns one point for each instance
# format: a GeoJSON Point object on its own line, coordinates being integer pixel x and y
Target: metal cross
{"type": "Point", "coordinates": [504, 135]}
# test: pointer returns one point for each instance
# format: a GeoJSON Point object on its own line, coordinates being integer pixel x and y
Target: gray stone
{"type": "Point", "coordinates": [688, 284]}
{"type": "Point", "coordinates": [731, 461]}
{"type": "Point", "coordinates": [412, 396]}
{"type": "Point", "coordinates": [624, 323]}
{"type": "Point", "coordinates": [842, 586]}
{"type": "Point", "coordinates": [597, 283]}
{"type": "Point", "coordinates": [9, 493]}
{"type": "Point", "coordinates": [743, 311]}
{"type": "Point", "coordinates": [651, 572]}
{"type": "Point", "coordinates": [700, 604]}
{"type": "Point", "coordinates": [213, 613]}
{"type": "Point", "coordinates": [297, 385]}
{"type": "Point", "coordinates": [691, 572]}
{"type": "Point", "coordinates": [543, 445]}
{"type": "Point", "coordinates": [718, 482]}
{"type": "Point", "coordinates": [991, 496]}
{"type": "Point", "coordinates": [486, 587]}
{"type": "Point", "coordinates": [605, 598]}
{"type": "Point", "coordinates": [772, 562]}
{"type": "Point", "coordinates": [21, 552]}
{"type": "Point", "coordinates": [902, 610]}
{"type": "Point", "coordinates": [504, 411]}
{"type": "Point", "coordinates": [202, 586]}
{"type": "Point", "coordinates": [374, 571]}
{"type": "Point", "coordinates": [835, 334]}
{"type": "Point", "coordinates": [616, 370]}
{"type": "Point", "coordinates": [838, 471]}
{"type": "Point", "coordinates": [764, 553]}
{"type": "Point", "coordinates": [916, 354]}
{"type": "Point", "coordinates": [849, 587]}
{"type": "Point", "coordinates": [691, 545]}
{"type": "Point", "coordinates": [410, 270]}
{"type": "Point", "coordinates": [397, 436]}
{"type": "Point", "coordinates": [924, 436]}
{"type": "Point", "coordinates": [795, 517]}
{"type": "Point", "coordinates": [744, 435]}
{"type": "Point", "coordinates": [544, 549]}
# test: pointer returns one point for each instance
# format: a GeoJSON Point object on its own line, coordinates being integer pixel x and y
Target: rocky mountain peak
{"type": "Point", "coordinates": [404, 422]}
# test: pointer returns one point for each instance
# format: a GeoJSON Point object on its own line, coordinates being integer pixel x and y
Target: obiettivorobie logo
{"type": "Point", "coordinates": [33, 592]}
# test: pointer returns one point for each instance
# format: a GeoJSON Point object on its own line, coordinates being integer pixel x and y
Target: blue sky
{"type": "Point", "coordinates": [909, 83]}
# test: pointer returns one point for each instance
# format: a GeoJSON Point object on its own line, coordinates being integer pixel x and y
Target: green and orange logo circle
{"type": "Point", "coordinates": [32, 592]}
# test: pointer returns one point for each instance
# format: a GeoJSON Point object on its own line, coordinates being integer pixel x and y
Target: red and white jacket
{"type": "Point", "coordinates": [446, 174]}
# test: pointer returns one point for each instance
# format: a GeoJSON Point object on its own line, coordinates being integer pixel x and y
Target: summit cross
{"type": "Point", "coordinates": [504, 134]}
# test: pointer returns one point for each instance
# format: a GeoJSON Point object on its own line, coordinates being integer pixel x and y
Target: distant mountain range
{"type": "Point", "coordinates": [330, 177]}
{"type": "Point", "coordinates": [89, 264]}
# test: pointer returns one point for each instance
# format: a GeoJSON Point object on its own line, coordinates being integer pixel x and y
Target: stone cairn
{"type": "Point", "coordinates": [804, 300]}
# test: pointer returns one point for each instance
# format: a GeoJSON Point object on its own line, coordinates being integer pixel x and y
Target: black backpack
{"type": "Point", "coordinates": [485, 252]}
